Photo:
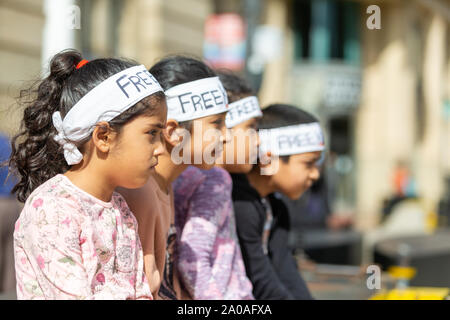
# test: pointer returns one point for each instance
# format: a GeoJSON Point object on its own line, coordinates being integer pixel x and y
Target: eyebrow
{"type": "Point", "coordinates": [315, 158]}
{"type": "Point", "coordinates": [159, 125]}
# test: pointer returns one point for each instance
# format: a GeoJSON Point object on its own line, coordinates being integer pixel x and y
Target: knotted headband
{"type": "Point", "coordinates": [103, 103]}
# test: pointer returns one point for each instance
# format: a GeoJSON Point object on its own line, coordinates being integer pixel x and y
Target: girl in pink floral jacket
{"type": "Point", "coordinates": [92, 127]}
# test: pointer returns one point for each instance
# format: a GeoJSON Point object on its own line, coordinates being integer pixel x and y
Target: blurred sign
{"type": "Point", "coordinates": [267, 42]}
{"type": "Point", "coordinates": [333, 86]}
{"type": "Point", "coordinates": [342, 89]}
{"type": "Point", "coordinates": [224, 45]}
{"type": "Point", "coordinates": [267, 45]}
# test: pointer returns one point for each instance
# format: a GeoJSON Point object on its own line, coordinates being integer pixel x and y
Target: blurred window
{"type": "Point", "coordinates": [327, 29]}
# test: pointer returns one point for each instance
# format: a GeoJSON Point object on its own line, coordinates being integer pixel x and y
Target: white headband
{"type": "Point", "coordinates": [103, 103]}
{"type": "Point", "coordinates": [291, 140]}
{"type": "Point", "coordinates": [242, 110]}
{"type": "Point", "coordinates": [196, 99]}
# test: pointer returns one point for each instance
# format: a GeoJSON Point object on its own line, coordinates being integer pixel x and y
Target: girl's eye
{"type": "Point", "coordinates": [153, 133]}
{"type": "Point", "coordinates": [310, 164]}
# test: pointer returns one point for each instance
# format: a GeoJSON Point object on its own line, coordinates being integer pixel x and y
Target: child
{"type": "Point", "coordinates": [209, 257]}
{"type": "Point", "coordinates": [196, 104]}
{"type": "Point", "coordinates": [293, 140]}
{"type": "Point", "coordinates": [92, 126]}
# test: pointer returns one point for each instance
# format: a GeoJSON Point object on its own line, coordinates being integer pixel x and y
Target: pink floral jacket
{"type": "Point", "coordinates": [71, 245]}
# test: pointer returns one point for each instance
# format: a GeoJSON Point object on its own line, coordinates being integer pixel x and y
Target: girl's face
{"type": "Point", "coordinates": [241, 152]}
{"type": "Point", "coordinates": [212, 133]}
{"type": "Point", "coordinates": [135, 154]}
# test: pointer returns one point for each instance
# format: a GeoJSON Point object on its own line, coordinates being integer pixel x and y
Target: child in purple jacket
{"type": "Point", "coordinates": [209, 258]}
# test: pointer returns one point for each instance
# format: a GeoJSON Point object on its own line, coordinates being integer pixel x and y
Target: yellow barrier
{"type": "Point", "coordinates": [413, 293]}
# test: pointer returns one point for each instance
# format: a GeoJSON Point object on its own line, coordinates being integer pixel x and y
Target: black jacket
{"type": "Point", "coordinates": [275, 275]}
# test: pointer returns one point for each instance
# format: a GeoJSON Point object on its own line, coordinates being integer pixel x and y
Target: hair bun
{"type": "Point", "coordinates": [64, 64]}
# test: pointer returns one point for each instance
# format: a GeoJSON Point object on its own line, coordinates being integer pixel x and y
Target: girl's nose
{"type": "Point", "coordinates": [315, 174]}
{"type": "Point", "coordinates": [226, 135]}
{"type": "Point", "coordinates": [159, 150]}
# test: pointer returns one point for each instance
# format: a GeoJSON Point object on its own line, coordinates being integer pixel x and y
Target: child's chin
{"type": "Point", "coordinates": [206, 166]}
{"type": "Point", "coordinates": [139, 182]}
{"type": "Point", "coordinates": [241, 168]}
{"type": "Point", "coordinates": [295, 195]}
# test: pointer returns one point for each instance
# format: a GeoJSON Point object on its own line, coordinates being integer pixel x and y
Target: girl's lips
{"type": "Point", "coordinates": [154, 165]}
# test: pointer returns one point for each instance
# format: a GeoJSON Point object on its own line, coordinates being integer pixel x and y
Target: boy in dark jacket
{"type": "Point", "coordinates": [291, 145]}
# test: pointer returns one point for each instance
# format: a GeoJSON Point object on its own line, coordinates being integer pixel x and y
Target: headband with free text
{"type": "Point", "coordinates": [103, 103]}
{"type": "Point", "coordinates": [196, 99]}
{"type": "Point", "coordinates": [242, 110]}
{"type": "Point", "coordinates": [289, 140]}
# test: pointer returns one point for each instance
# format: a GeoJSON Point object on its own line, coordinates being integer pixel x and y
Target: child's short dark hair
{"type": "Point", "coordinates": [236, 86]}
{"type": "Point", "coordinates": [282, 115]}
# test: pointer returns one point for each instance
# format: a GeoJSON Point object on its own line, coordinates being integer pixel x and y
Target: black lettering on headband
{"type": "Point", "coordinates": [231, 113]}
{"type": "Point", "coordinates": [151, 77]}
{"type": "Point", "coordinates": [199, 102]}
{"type": "Point", "coordinates": [284, 142]}
{"type": "Point", "coordinates": [250, 106]}
{"type": "Point", "coordinates": [224, 93]}
{"type": "Point", "coordinates": [138, 82]}
{"type": "Point", "coordinates": [195, 103]}
{"type": "Point", "coordinates": [245, 109]}
{"type": "Point", "coordinates": [298, 140]}
{"type": "Point", "coordinates": [217, 97]}
{"type": "Point", "coordinates": [207, 106]}
{"type": "Point", "coordinates": [183, 102]}
{"type": "Point", "coordinates": [144, 78]}
{"type": "Point", "coordinates": [242, 109]}
{"type": "Point", "coordinates": [318, 135]}
{"type": "Point", "coordinates": [122, 87]}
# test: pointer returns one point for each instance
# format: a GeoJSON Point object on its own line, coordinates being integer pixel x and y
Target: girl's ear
{"type": "Point", "coordinates": [269, 164]}
{"type": "Point", "coordinates": [103, 137]}
{"type": "Point", "coordinates": [173, 133]}
{"type": "Point", "coordinates": [265, 159]}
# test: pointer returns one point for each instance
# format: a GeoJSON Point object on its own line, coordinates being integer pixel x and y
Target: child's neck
{"type": "Point", "coordinates": [262, 184]}
{"type": "Point", "coordinates": [167, 171]}
{"type": "Point", "coordinates": [88, 179]}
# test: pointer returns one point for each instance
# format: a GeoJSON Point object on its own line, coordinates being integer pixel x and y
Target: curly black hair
{"type": "Point", "coordinates": [36, 156]}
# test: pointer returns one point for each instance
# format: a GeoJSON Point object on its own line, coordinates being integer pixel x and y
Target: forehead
{"type": "Point", "coordinates": [214, 117]}
{"type": "Point", "coordinates": [158, 118]}
{"type": "Point", "coordinates": [308, 156]}
{"type": "Point", "coordinates": [246, 123]}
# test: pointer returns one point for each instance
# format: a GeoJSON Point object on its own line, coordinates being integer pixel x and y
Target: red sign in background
{"type": "Point", "coordinates": [224, 44]}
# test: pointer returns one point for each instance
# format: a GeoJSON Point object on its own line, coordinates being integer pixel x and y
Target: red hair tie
{"type": "Point", "coordinates": [81, 63]}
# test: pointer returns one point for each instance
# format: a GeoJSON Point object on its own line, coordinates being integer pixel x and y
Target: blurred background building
{"type": "Point", "coordinates": [383, 95]}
